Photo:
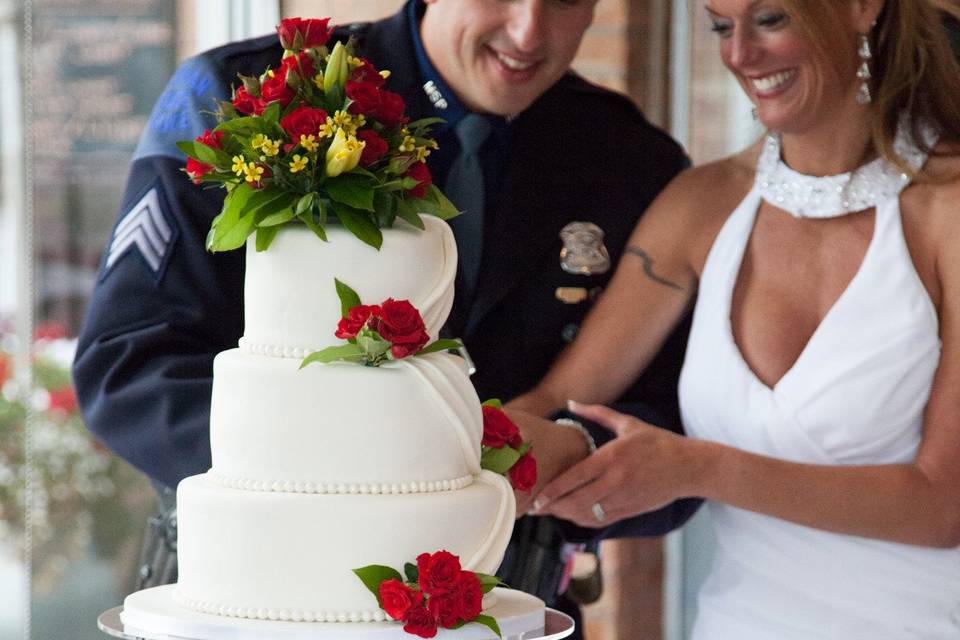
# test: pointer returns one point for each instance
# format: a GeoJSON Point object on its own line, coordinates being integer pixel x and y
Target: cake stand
{"type": "Point", "coordinates": [152, 614]}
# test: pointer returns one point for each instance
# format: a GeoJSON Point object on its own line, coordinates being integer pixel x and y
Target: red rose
{"type": "Point", "coordinates": [246, 103]}
{"type": "Point", "coordinates": [212, 139]}
{"type": "Point", "coordinates": [499, 429]}
{"type": "Point", "coordinates": [523, 475]}
{"type": "Point", "coordinates": [365, 98]}
{"type": "Point", "coordinates": [196, 169]}
{"type": "Point", "coordinates": [419, 172]}
{"type": "Point", "coordinates": [401, 324]}
{"type": "Point", "coordinates": [366, 73]}
{"type": "Point", "coordinates": [275, 89]}
{"type": "Point", "coordinates": [445, 609]}
{"type": "Point", "coordinates": [5, 369]}
{"type": "Point", "coordinates": [51, 330]}
{"type": "Point", "coordinates": [301, 63]}
{"type": "Point", "coordinates": [469, 594]}
{"type": "Point", "coordinates": [419, 622]}
{"type": "Point", "coordinates": [312, 32]}
{"type": "Point", "coordinates": [397, 598]}
{"type": "Point", "coordinates": [303, 121]}
{"type": "Point", "coordinates": [63, 400]}
{"type": "Point", "coordinates": [391, 109]}
{"type": "Point", "coordinates": [349, 327]}
{"type": "Point", "coordinates": [374, 149]}
{"type": "Point", "coordinates": [439, 572]}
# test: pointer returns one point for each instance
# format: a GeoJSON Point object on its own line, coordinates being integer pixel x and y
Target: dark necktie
{"type": "Point", "coordinates": [465, 187]}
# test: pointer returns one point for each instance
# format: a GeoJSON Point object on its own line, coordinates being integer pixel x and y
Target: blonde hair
{"type": "Point", "coordinates": [915, 70]}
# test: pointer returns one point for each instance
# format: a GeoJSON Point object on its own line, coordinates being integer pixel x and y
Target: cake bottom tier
{"type": "Point", "coordinates": [290, 556]}
{"type": "Point", "coordinates": [154, 613]}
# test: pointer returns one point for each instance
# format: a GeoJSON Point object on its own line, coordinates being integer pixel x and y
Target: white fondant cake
{"type": "Point", "coordinates": [320, 470]}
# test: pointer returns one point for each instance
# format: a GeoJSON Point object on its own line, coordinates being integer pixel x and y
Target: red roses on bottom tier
{"type": "Point", "coordinates": [437, 593]}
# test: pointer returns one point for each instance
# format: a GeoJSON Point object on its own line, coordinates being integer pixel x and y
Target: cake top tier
{"type": "Point", "coordinates": [291, 305]}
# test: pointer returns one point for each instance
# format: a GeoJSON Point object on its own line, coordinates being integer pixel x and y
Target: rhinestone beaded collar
{"type": "Point", "coordinates": [804, 196]}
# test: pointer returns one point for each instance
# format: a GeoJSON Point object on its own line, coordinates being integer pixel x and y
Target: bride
{"type": "Point", "coordinates": [821, 387]}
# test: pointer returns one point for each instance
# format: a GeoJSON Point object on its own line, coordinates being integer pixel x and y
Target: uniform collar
{"type": "Point", "coordinates": [444, 102]}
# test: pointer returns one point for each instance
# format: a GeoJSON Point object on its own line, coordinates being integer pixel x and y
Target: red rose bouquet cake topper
{"type": "Point", "coordinates": [391, 330]}
{"type": "Point", "coordinates": [317, 136]}
{"type": "Point", "coordinates": [437, 593]}
{"type": "Point", "coordinates": [503, 450]}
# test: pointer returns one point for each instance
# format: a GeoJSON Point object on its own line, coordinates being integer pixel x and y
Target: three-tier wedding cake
{"type": "Point", "coordinates": [323, 469]}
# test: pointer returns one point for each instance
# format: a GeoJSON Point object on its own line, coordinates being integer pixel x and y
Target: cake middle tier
{"type": "Point", "coordinates": [291, 555]}
{"type": "Point", "coordinates": [409, 426]}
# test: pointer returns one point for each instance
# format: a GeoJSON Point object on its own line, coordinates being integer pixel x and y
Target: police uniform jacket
{"type": "Point", "coordinates": [163, 306]}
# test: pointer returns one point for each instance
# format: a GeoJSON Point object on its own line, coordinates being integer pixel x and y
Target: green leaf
{"type": "Point", "coordinates": [489, 622]}
{"type": "Point", "coordinates": [198, 151]}
{"type": "Point", "coordinates": [359, 224]}
{"type": "Point", "coordinates": [523, 448]}
{"type": "Point", "coordinates": [307, 219]}
{"type": "Point", "coordinates": [424, 122]}
{"type": "Point", "coordinates": [231, 228]}
{"type": "Point", "coordinates": [411, 571]}
{"type": "Point", "coordinates": [444, 209]}
{"type": "Point", "coordinates": [372, 575]}
{"type": "Point", "coordinates": [271, 115]}
{"type": "Point", "coordinates": [242, 126]}
{"type": "Point", "coordinates": [499, 460]}
{"type": "Point", "coordinates": [265, 236]}
{"type": "Point", "coordinates": [408, 212]}
{"type": "Point", "coordinates": [348, 298]}
{"type": "Point", "coordinates": [355, 191]}
{"type": "Point", "coordinates": [488, 583]}
{"type": "Point", "coordinates": [496, 403]}
{"type": "Point", "coordinates": [278, 218]}
{"type": "Point", "coordinates": [332, 354]}
{"type": "Point", "coordinates": [444, 344]}
{"type": "Point", "coordinates": [305, 203]}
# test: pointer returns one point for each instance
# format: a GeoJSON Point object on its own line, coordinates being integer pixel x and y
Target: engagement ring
{"type": "Point", "coordinates": [598, 512]}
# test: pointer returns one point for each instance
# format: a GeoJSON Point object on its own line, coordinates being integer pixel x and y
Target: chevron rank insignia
{"type": "Point", "coordinates": [145, 230]}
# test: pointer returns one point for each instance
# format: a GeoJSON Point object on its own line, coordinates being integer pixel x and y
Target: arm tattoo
{"type": "Point", "coordinates": [648, 268]}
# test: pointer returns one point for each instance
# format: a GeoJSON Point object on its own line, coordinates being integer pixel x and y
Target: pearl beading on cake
{"type": "Point", "coordinates": [285, 615]}
{"type": "Point", "coordinates": [288, 486]}
{"type": "Point", "coordinates": [263, 613]}
{"type": "Point", "coordinates": [275, 351]}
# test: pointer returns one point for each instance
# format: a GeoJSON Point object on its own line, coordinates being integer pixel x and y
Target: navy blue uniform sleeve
{"type": "Point", "coordinates": [162, 307]}
{"type": "Point", "coordinates": [653, 523]}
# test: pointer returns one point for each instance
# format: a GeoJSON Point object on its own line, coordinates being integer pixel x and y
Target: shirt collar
{"type": "Point", "coordinates": [444, 101]}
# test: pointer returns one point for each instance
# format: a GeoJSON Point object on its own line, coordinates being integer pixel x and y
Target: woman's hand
{"type": "Point", "coordinates": [555, 448]}
{"type": "Point", "coordinates": [643, 469]}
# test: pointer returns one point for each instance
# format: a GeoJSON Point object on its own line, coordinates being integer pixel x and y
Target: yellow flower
{"type": "Point", "coordinates": [354, 61]}
{"type": "Point", "coordinates": [254, 172]}
{"type": "Point", "coordinates": [239, 164]}
{"type": "Point", "coordinates": [422, 153]}
{"type": "Point", "coordinates": [318, 80]}
{"type": "Point", "coordinates": [308, 142]}
{"type": "Point", "coordinates": [270, 148]}
{"type": "Point", "coordinates": [299, 163]}
{"type": "Point", "coordinates": [408, 144]}
{"type": "Point", "coordinates": [344, 154]}
{"type": "Point", "coordinates": [384, 74]}
{"type": "Point", "coordinates": [258, 141]}
{"type": "Point", "coordinates": [328, 129]}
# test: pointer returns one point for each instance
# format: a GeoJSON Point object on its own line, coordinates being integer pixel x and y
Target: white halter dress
{"type": "Point", "coordinates": [855, 396]}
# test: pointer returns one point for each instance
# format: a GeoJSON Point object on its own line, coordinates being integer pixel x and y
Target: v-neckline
{"type": "Point", "coordinates": [734, 278]}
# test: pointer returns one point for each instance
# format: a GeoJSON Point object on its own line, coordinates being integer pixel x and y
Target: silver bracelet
{"type": "Point", "coordinates": [573, 424]}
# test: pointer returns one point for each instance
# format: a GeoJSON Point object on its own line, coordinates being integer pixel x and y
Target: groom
{"type": "Point", "coordinates": [546, 154]}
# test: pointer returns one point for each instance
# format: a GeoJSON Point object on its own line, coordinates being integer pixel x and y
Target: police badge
{"type": "Point", "coordinates": [583, 250]}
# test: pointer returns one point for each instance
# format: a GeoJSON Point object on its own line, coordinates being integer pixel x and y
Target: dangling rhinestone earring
{"type": "Point", "coordinates": [863, 73]}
